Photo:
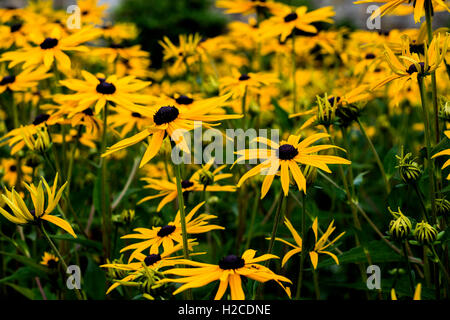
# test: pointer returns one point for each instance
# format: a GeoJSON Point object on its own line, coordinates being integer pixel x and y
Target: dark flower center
{"type": "Point", "coordinates": [152, 259]}
{"type": "Point", "coordinates": [136, 115]}
{"type": "Point", "coordinates": [88, 112]}
{"type": "Point", "coordinates": [334, 100]}
{"type": "Point", "coordinates": [84, 12]}
{"type": "Point", "coordinates": [49, 43]}
{"type": "Point", "coordinates": [13, 168]}
{"type": "Point", "coordinates": [186, 184]}
{"type": "Point", "coordinates": [166, 230]}
{"type": "Point", "coordinates": [184, 100]}
{"type": "Point", "coordinates": [16, 27]}
{"type": "Point", "coordinates": [412, 68]}
{"type": "Point", "coordinates": [244, 77]}
{"type": "Point", "coordinates": [40, 119]}
{"type": "Point", "coordinates": [116, 46]}
{"type": "Point", "coordinates": [7, 80]}
{"type": "Point", "coordinates": [290, 17]}
{"type": "Point", "coordinates": [105, 87]}
{"type": "Point", "coordinates": [231, 262]}
{"type": "Point", "coordinates": [417, 48]}
{"type": "Point", "coordinates": [165, 115]}
{"type": "Point", "coordinates": [370, 56]}
{"type": "Point", "coordinates": [287, 152]}
{"type": "Point", "coordinates": [52, 263]}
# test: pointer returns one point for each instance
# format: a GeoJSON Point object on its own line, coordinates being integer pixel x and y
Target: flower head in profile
{"type": "Point", "coordinates": [169, 235]}
{"type": "Point", "coordinates": [20, 214]}
{"type": "Point", "coordinates": [445, 152]}
{"type": "Point", "coordinates": [286, 20]}
{"type": "Point", "coordinates": [248, 6]}
{"type": "Point", "coordinates": [168, 189]}
{"type": "Point", "coordinates": [409, 65]}
{"type": "Point", "coordinates": [54, 47]}
{"type": "Point", "coordinates": [24, 80]}
{"type": "Point", "coordinates": [239, 84]}
{"type": "Point", "coordinates": [285, 159]}
{"type": "Point", "coordinates": [315, 247]}
{"type": "Point", "coordinates": [229, 272]}
{"type": "Point", "coordinates": [49, 260]}
{"type": "Point", "coordinates": [391, 5]}
{"type": "Point", "coordinates": [154, 261]}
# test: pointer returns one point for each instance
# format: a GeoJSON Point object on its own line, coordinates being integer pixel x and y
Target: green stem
{"type": "Point", "coordinates": [177, 169]}
{"type": "Point", "coordinates": [78, 292]}
{"type": "Point", "coordinates": [377, 157]}
{"type": "Point", "coordinates": [252, 219]}
{"type": "Point", "coordinates": [428, 143]}
{"type": "Point", "coordinates": [294, 80]}
{"type": "Point", "coordinates": [105, 201]}
{"type": "Point", "coordinates": [302, 254]}
{"type": "Point", "coordinates": [316, 283]}
{"type": "Point", "coordinates": [408, 265]}
{"type": "Point", "coordinates": [422, 203]}
{"type": "Point", "coordinates": [244, 108]}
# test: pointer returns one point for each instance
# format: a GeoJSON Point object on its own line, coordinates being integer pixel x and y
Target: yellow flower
{"type": "Point", "coordinates": [288, 155]}
{"type": "Point", "coordinates": [394, 4]}
{"type": "Point", "coordinates": [46, 50]}
{"type": "Point", "coordinates": [10, 171]}
{"type": "Point", "coordinates": [99, 91]}
{"type": "Point", "coordinates": [22, 215]}
{"type": "Point", "coordinates": [445, 152]}
{"type": "Point", "coordinates": [287, 20]}
{"type": "Point", "coordinates": [409, 65]}
{"type": "Point", "coordinates": [26, 79]}
{"type": "Point", "coordinates": [168, 189]}
{"type": "Point", "coordinates": [153, 261]}
{"type": "Point", "coordinates": [229, 271]}
{"type": "Point", "coordinates": [247, 6]}
{"type": "Point", "coordinates": [49, 260]}
{"type": "Point", "coordinates": [320, 244]}
{"type": "Point", "coordinates": [169, 234]}
{"type": "Point", "coordinates": [171, 121]}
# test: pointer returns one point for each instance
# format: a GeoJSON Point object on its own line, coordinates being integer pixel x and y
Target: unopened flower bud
{"type": "Point", "coordinates": [442, 206]}
{"type": "Point", "coordinates": [408, 169]}
{"type": "Point", "coordinates": [400, 226]}
{"type": "Point", "coordinates": [425, 233]}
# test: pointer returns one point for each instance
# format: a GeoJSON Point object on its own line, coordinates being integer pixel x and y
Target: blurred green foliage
{"type": "Point", "coordinates": [156, 18]}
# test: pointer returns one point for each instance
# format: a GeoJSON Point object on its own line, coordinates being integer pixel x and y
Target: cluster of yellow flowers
{"type": "Point", "coordinates": [80, 105]}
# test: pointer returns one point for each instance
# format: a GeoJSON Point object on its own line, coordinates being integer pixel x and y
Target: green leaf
{"type": "Point", "coordinates": [80, 240]}
{"type": "Point", "coordinates": [359, 178]}
{"type": "Point", "coordinates": [21, 274]}
{"type": "Point", "coordinates": [379, 252]}
{"type": "Point", "coordinates": [27, 261]}
{"type": "Point", "coordinates": [94, 281]}
{"type": "Point", "coordinates": [390, 161]}
{"type": "Point", "coordinates": [25, 291]}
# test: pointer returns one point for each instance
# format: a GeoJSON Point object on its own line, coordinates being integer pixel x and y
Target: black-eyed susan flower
{"type": "Point", "coordinates": [241, 83]}
{"type": "Point", "coordinates": [409, 65]}
{"type": "Point", "coordinates": [46, 50]}
{"type": "Point", "coordinates": [445, 152]}
{"type": "Point", "coordinates": [49, 260]}
{"type": "Point", "coordinates": [20, 214]}
{"type": "Point", "coordinates": [285, 158]}
{"type": "Point", "coordinates": [24, 80]}
{"type": "Point", "coordinates": [185, 53]}
{"type": "Point", "coordinates": [169, 235]}
{"type": "Point", "coordinates": [286, 20]}
{"type": "Point", "coordinates": [91, 12]}
{"type": "Point", "coordinates": [154, 261]}
{"type": "Point", "coordinates": [391, 5]}
{"type": "Point", "coordinates": [229, 272]}
{"type": "Point", "coordinates": [96, 92]}
{"type": "Point", "coordinates": [316, 248]}
{"type": "Point", "coordinates": [248, 6]}
{"type": "Point", "coordinates": [173, 122]}
{"type": "Point", "coordinates": [10, 170]}
{"type": "Point", "coordinates": [168, 189]}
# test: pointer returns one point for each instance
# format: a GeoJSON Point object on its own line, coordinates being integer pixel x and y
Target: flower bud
{"type": "Point", "coordinates": [408, 169]}
{"type": "Point", "coordinates": [347, 113]}
{"type": "Point", "coordinates": [326, 110]}
{"type": "Point", "coordinates": [425, 233]}
{"type": "Point", "coordinates": [400, 226]}
{"type": "Point", "coordinates": [206, 177]}
{"type": "Point", "coordinates": [442, 206]}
